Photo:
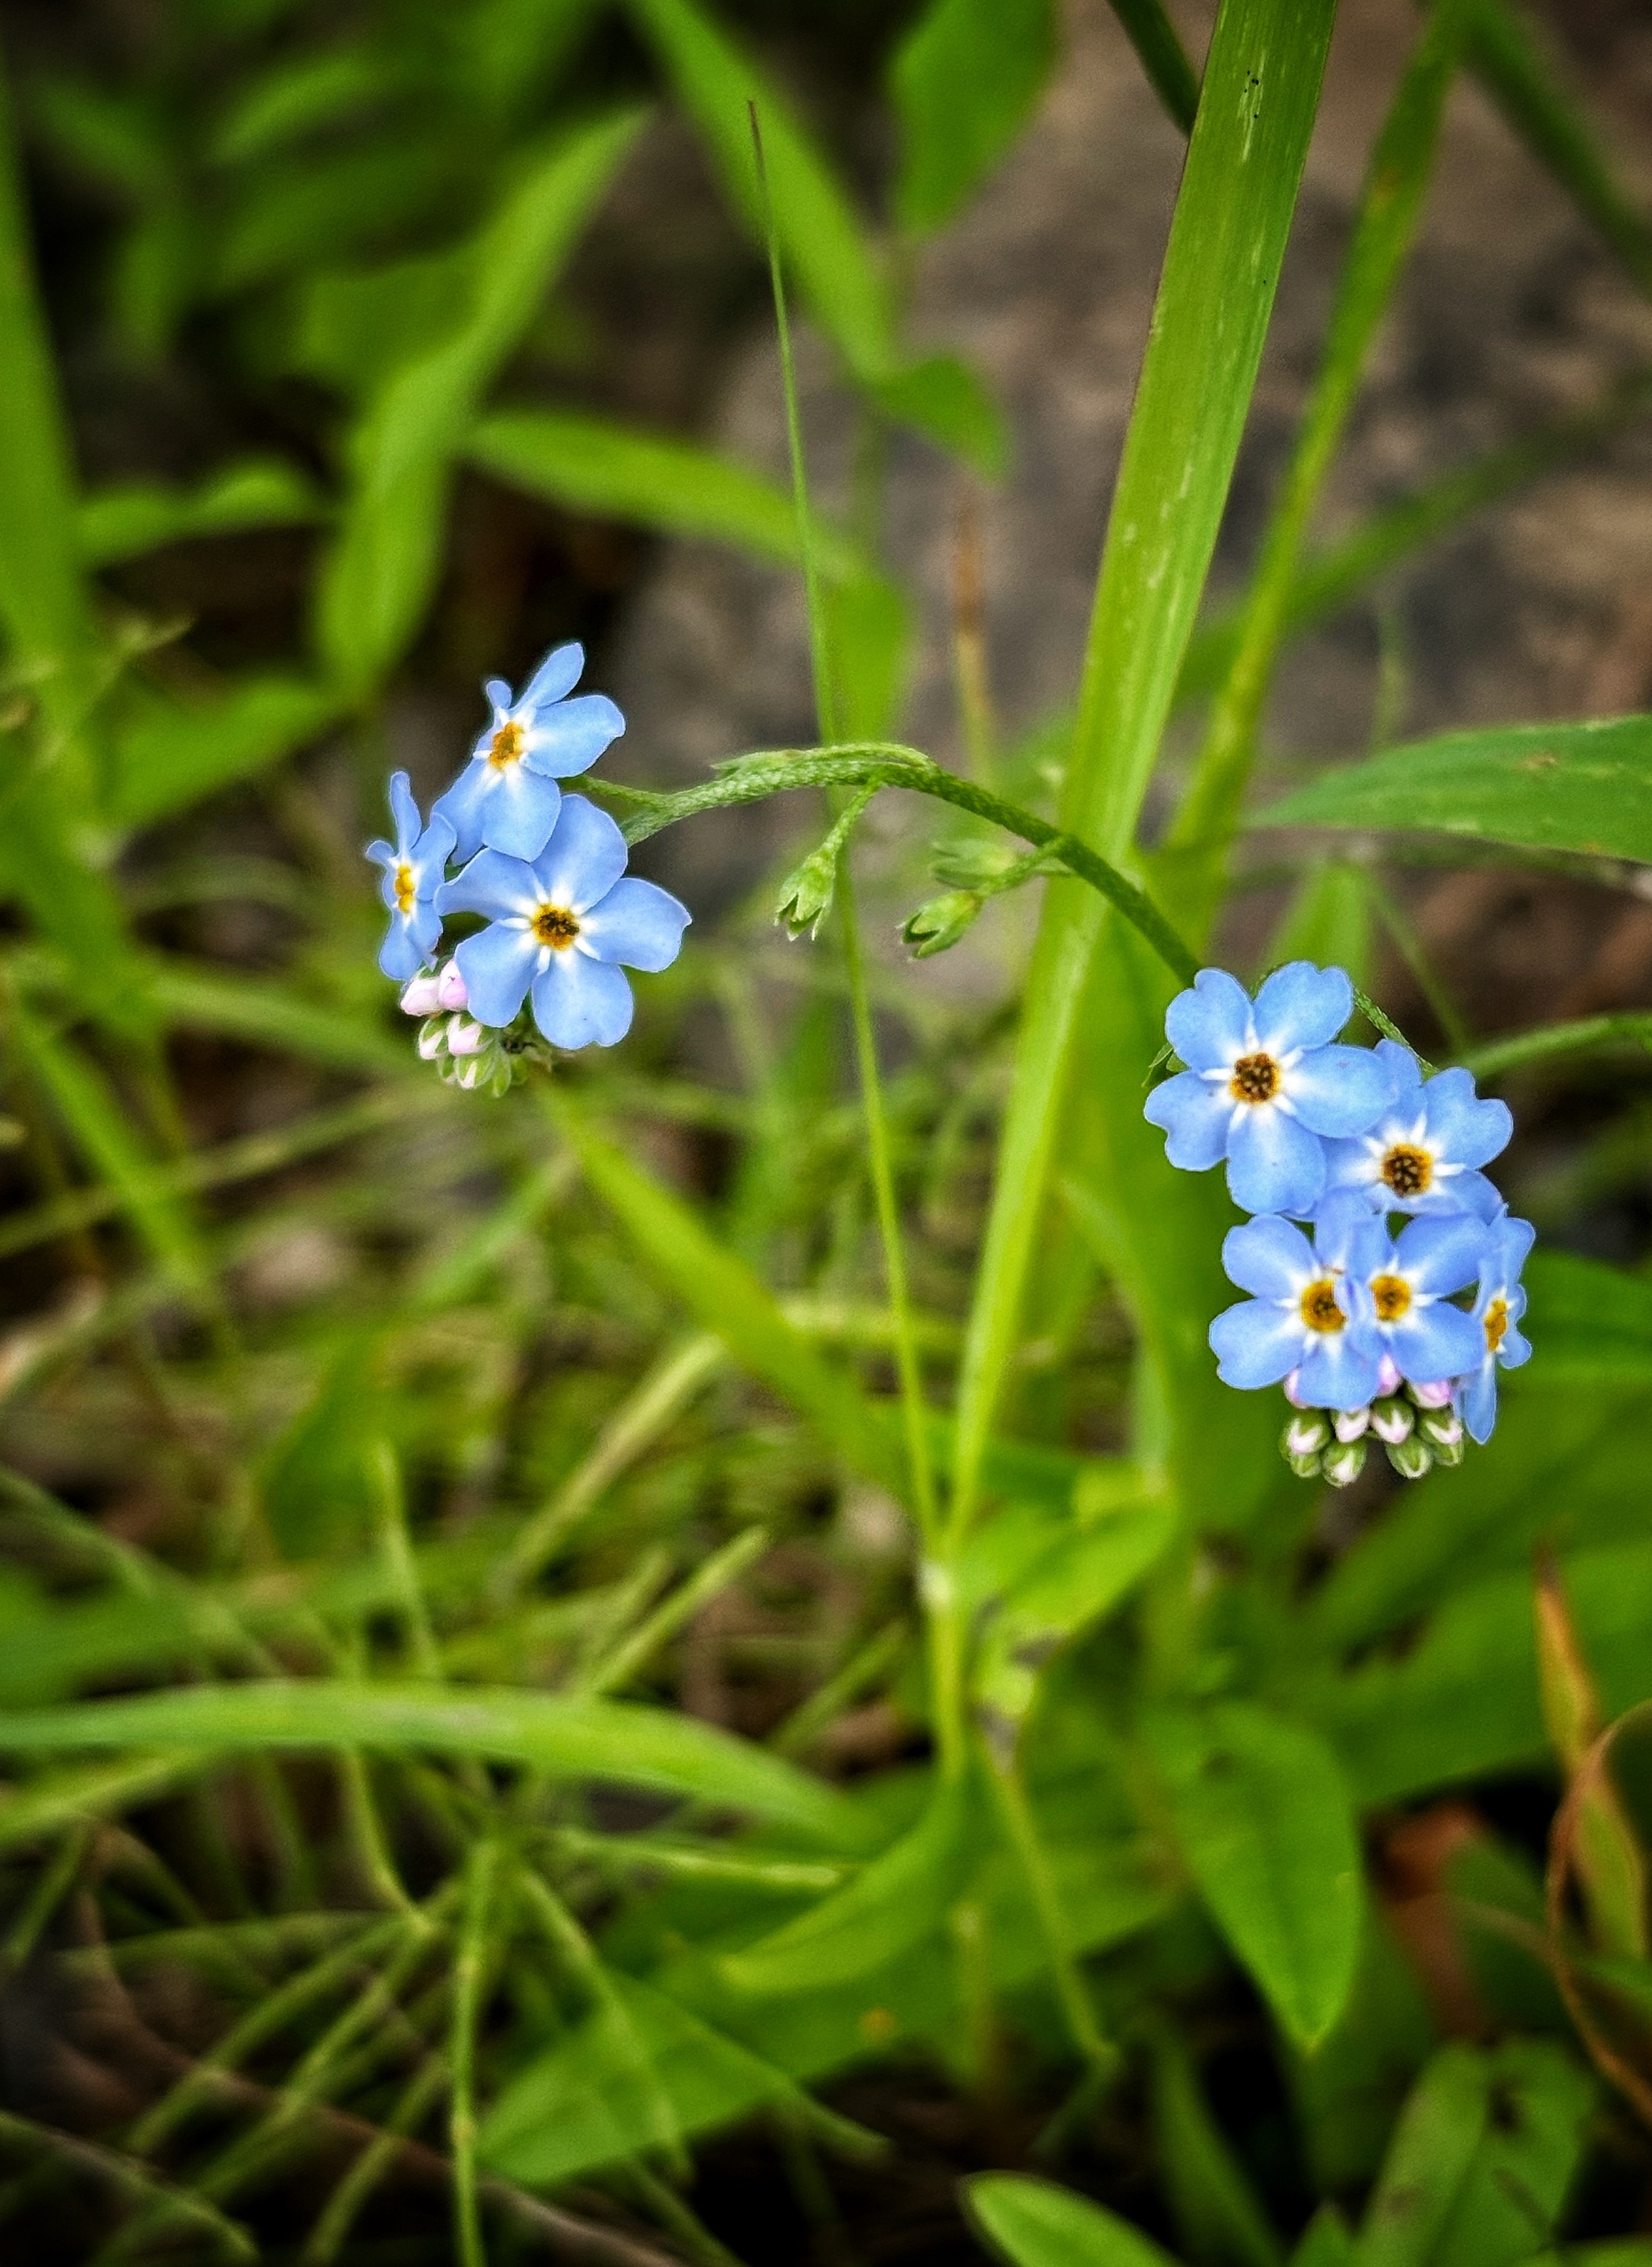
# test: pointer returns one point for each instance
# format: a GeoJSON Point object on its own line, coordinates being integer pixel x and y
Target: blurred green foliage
{"type": "Point", "coordinates": [574, 1624]}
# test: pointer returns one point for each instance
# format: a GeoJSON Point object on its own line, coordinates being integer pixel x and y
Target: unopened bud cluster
{"type": "Point", "coordinates": [1417, 1426]}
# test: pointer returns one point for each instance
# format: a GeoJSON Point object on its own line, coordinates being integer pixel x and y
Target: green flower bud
{"type": "Point", "coordinates": [1411, 1457]}
{"type": "Point", "coordinates": [939, 922]}
{"type": "Point", "coordinates": [807, 891]}
{"type": "Point", "coordinates": [1441, 1428]}
{"type": "Point", "coordinates": [1350, 1424]}
{"type": "Point", "coordinates": [1448, 1453]}
{"type": "Point", "coordinates": [1343, 1463]}
{"type": "Point", "coordinates": [1391, 1420]}
{"type": "Point", "coordinates": [1307, 1433]}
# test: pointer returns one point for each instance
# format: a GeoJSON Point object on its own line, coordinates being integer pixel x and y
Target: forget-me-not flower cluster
{"type": "Point", "coordinates": [545, 871]}
{"type": "Point", "coordinates": [1373, 1227]}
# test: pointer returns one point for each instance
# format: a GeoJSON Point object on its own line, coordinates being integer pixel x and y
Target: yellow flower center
{"type": "Point", "coordinates": [407, 888]}
{"type": "Point", "coordinates": [507, 745]}
{"type": "Point", "coordinates": [1496, 1322]}
{"type": "Point", "coordinates": [1392, 1296]}
{"type": "Point", "coordinates": [556, 926]}
{"type": "Point", "coordinates": [1408, 1172]}
{"type": "Point", "coordinates": [1255, 1079]}
{"type": "Point", "coordinates": [1320, 1308]}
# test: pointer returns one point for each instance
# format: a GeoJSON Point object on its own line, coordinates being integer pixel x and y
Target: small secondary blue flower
{"type": "Point", "coordinates": [1409, 1282]}
{"type": "Point", "coordinates": [506, 797]}
{"type": "Point", "coordinates": [560, 924]}
{"type": "Point", "coordinates": [1310, 1313]}
{"type": "Point", "coordinates": [1263, 1083]}
{"type": "Point", "coordinates": [1423, 1153]}
{"type": "Point", "coordinates": [1498, 1305]}
{"type": "Point", "coordinates": [414, 866]}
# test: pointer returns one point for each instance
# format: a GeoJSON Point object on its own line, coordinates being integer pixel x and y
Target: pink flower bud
{"type": "Point", "coordinates": [1388, 1378]}
{"type": "Point", "coordinates": [464, 1038]}
{"type": "Point", "coordinates": [1293, 1392]}
{"type": "Point", "coordinates": [450, 987]}
{"type": "Point", "coordinates": [1432, 1397]}
{"type": "Point", "coordinates": [431, 1043]}
{"type": "Point", "coordinates": [420, 998]}
{"type": "Point", "coordinates": [1348, 1424]}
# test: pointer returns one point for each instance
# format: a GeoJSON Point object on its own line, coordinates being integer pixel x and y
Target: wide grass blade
{"type": "Point", "coordinates": [608, 1740]}
{"type": "Point", "coordinates": [1233, 215]}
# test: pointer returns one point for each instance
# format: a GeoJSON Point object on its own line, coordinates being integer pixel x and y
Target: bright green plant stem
{"type": "Point", "coordinates": [1163, 57]}
{"type": "Point", "coordinates": [1232, 217]}
{"type": "Point", "coordinates": [1395, 183]}
{"type": "Point", "coordinates": [1497, 1056]}
{"type": "Point", "coordinates": [887, 763]}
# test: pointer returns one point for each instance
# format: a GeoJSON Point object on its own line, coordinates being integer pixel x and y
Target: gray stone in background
{"type": "Point", "coordinates": [1512, 312]}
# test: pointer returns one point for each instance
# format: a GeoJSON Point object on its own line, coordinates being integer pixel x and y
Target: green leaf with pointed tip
{"type": "Point", "coordinates": [1481, 2158]}
{"type": "Point", "coordinates": [944, 398]}
{"type": "Point", "coordinates": [1034, 2224]}
{"type": "Point", "coordinates": [612, 1740]}
{"type": "Point", "coordinates": [1266, 1823]}
{"type": "Point", "coordinates": [1326, 2243]}
{"type": "Point", "coordinates": [964, 82]}
{"type": "Point", "coordinates": [892, 1904]}
{"type": "Point", "coordinates": [1539, 787]}
{"type": "Point", "coordinates": [651, 480]}
{"type": "Point", "coordinates": [122, 523]}
{"type": "Point", "coordinates": [169, 756]}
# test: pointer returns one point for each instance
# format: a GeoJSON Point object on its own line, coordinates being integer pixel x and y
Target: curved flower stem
{"type": "Point", "coordinates": [887, 763]}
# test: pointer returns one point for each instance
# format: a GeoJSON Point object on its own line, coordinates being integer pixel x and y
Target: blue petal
{"type": "Point", "coordinates": [405, 811]}
{"type": "Point", "coordinates": [570, 738]}
{"type": "Point", "coordinates": [1348, 1235]}
{"type": "Point", "coordinates": [637, 923]}
{"type": "Point", "coordinates": [497, 966]}
{"type": "Point", "coordinates": [381, 853]}
{"type": "Point", "coordinates": [1436, 1342]}
{"type": "Point", "coordinates": [433, 849]}
{"type": "Point", "coordinates": [557, 674]}
{"type": "Point", "coordinates": [1210, 1024]}
{"type": "Point", "coordinates": [1339, 1091]}
{"type": "Point", "coordinates": [1404, 1076]}
{"type": "Point", "coordinates": [498, 694]}
{"type": "Point", "coordinates": [1512, 1240]}
{"type": "Point", "coordinates": [497, 886]}
{"type": "Point", "coordinates": [1269, 1257]}
{"type": "Point", "coordinates": [1273, 1163]}
{"type": "Point", "coordinates": [578, 1002]}
{"type": "Point", "coordinates": [1302, 1006]}
{"type": "Point", "coordinates": [461, 805]}
{"type": "Point", "coordinates": [1516, 1350]}
{"type": "Point", "coordinates": [1256, 1343]}
{"type": "Point", "coordinates": [1442, 1253]}
{"type": "Point", "coordinates": [1468, 1131]}
{"type": "Point", "coordinates": [584, 857]}
{"type": "Point", "coordinates": [1194, 1115]}
{"type": "Point", "coordinates": [400, 955]}
{"type": "Point", "coordinates": [387, 889]}
{"type": "Point", "coordinates": [1477, 1401]}
{"type": "Point", "coordinates": [518, 810]}
{"type": "Point", "coordinates": [1351, 1165]}
{"type": "Point", "coordinates": [1469, 1192]}
{"type": "Point", "coordinates": [1338, 1370]}
{"type": "Point", "coordinates": [424, 926]}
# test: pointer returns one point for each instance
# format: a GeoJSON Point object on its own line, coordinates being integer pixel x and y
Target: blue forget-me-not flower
{"type": "Point", "coordinates": [559, 926]}
{"type": "Point", "coordinates": [1423, 1153]}
{"type": "Point", "coordinates": [1408, 1283]}
{"type": "Point", "coordinates": [414, 866]}
{"type": "Point", "coordinates": [1499, 1305]}
{"type": "Point", "coordinates": [506, 798]}
{"type": "Point", "coordinates": [1310, 1313]}
{"type": "Point", "coordinates": [1265, 1081]}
